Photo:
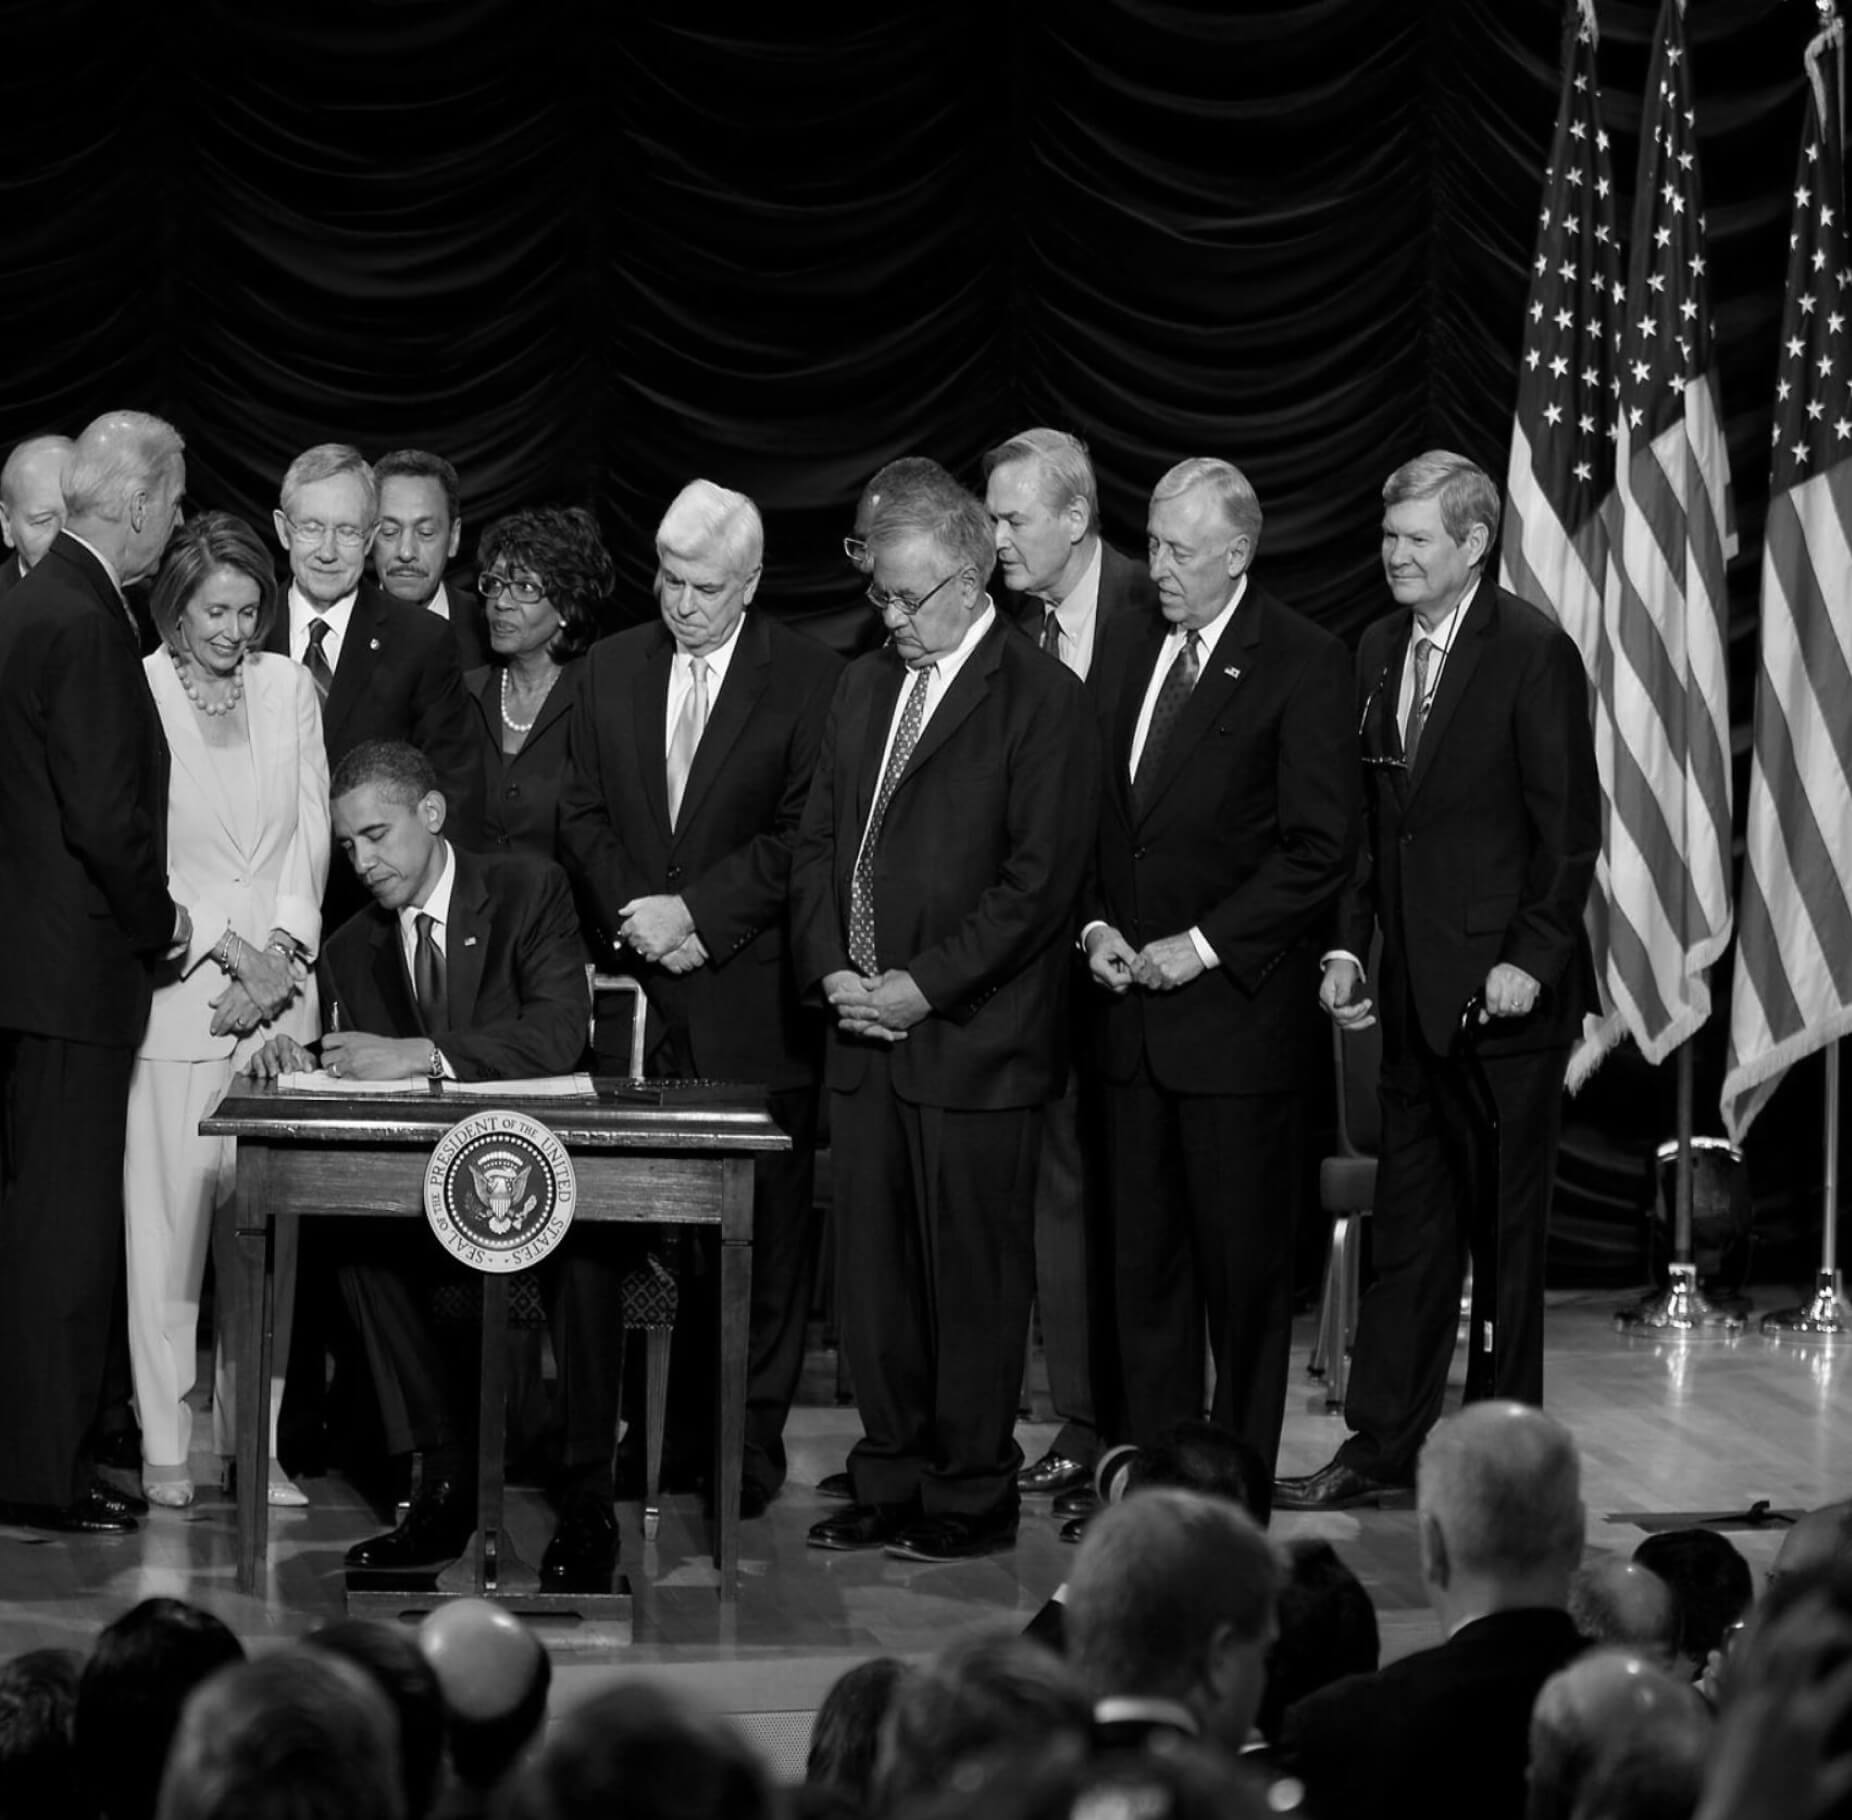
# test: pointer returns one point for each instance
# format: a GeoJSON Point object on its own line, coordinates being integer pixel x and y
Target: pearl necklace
{"type": "Point", "coordinates": [211, 709]}
{"type": "Point", "coordinates": [508, 720]}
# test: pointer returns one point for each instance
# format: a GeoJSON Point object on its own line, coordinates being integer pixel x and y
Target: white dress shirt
{"type": "Point", "coordinates": [439, 603]}
{"type": "Point", "coordinates": [681, 679]}
{"type": "Point", "coordinates": [1441, 637]}
{"type": "Point", "coordinates": [437, 907]}
{"type": "Point", "coordinates": [302, 616]}
{"type": "Point", "coordinates": [1078, 617]}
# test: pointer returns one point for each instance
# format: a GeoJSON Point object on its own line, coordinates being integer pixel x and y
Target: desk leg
{"type": "Point", "coordinates": [735, 1325]}
{"type": "Point", "coordinates": [491, 1435]}
{"type": "Point", "coordinates": [251, 1346]}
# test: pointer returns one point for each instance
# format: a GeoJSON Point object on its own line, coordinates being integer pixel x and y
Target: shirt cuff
{"type": "Point", "coordinates": [1204, 952]}
{"type": "Point", "coordinates": [1339, 954]}
{"type": "Point", "coordinates": [1099, 922]}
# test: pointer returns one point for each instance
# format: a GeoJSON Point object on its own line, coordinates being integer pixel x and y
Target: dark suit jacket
{"type": "Point", "coordinates": [10, 577]}
{"type": "Point", "coordinates": [729, 856]}
{"type": "Point", "coordinates": [469, 624]}
{"type": "Point", "coordinates": [514, 972]}
{"type": "Point", "coordinates": [84, 906]}
{"type": "Point", "coordinates": [398, 678]}
{"type": "Point", "coordinates": [1486, 852]}
{"type": "Point", "coordinates": [521, 794]}
{"type": "Point", "coordinates": [1125, 589]}
{"type": "Point", "coordinates": [1443, 1733]}
{"type": "Point", "coordinates": [1250, 835]}
{"type": "Point", "coordinates": [977, 869]}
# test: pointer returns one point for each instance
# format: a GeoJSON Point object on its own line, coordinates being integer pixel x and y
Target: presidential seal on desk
{"type": "Point", "coordinates": [500, 1191]}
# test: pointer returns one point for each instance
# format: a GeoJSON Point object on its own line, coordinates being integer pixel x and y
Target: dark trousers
{"type": "Point", "coordinates": [425, 1373]}
{"type": "Point", "coordinates": [1421, 1235]}
{"type": "Point", "coordinates": [1065, 1275]}
{"type": "Point", "coordinates": [935, 1270]}
{"type": "Point", "coordinates": [62, 1128]}
{"type": "Point", "coordinates": [1202, 1189]}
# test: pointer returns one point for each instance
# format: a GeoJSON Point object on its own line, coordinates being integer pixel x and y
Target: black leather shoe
{"type": "Point", "coordinates": [120, 1448]}
{"type": "Point", "coordinates": [433, 1533]}
{"type": "Point", "coordinates": [582, 1556]}
{"type": "Point", "coordinates": [838, 1486]}
{"type": "Point", "coordinates": [1082, 1501]}
{"type": "Point", "coordinates": [89, 1516]}
{"type": "Point", "coordinates": [1073, 1529]}
{"type": "Point", "coordinates": [1340, 1487]}
{"type": "Point", "coordinates": [862, 1526]}
{"type": "Point", "coordinates": [1053, 1472]}
{"type": "Point", "coordinates": [755, 1500]}
{"type": "Point", "coordinates": [118, 1502]}
{"type": "Point", "coordinates": [955, 1537]}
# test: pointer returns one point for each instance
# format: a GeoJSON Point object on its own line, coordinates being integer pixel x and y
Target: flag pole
{"type": "Point", "coordinates": [1826, 1313]}
{"type": "Point", "coordinates": [1682, 1306]}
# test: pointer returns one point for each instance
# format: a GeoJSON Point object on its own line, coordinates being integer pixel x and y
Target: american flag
{"type": "Point", "coordinates": [1554, 545]}
{"type": "Point", "coordinates": [1793, 987]}
{"type": "Point", "coordinates": [1663, 723]}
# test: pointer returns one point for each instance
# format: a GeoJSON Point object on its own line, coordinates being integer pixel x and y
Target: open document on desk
{"type": "Point", "coordinates": [543, 1087]}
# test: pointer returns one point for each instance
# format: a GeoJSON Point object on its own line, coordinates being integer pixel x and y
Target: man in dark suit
{"type": "Point", "coordinates": [1228, 828]}
{"type": "Point", "coordinates": [420, 530]}
{"type": "Point", "coordinates": [84, 915]}
{"type": "Point", "coordinates": [941, 851]}
{"type": "Point", "coordinates": [1446, 1732]}
{"type": "Point", "coordinates": [381, 673]}
{"type": "Point", "coordinates": [1484, 822]}
{"type": "Point", "coordinates": [693, 742]}
{"type": "Point", "coordinates": [469, 967]}
{"type": "Point", "coordinates": [31, 504]}
{"type": "Point", "coordinates": [1068, 586]}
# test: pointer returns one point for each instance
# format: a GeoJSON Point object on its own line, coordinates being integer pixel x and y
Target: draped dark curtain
{"type": "Point", "coordinates": [591, 251]}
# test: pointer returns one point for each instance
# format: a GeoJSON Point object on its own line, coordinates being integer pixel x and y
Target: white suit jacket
{"type": "Point", "coordinates": [255, 873]}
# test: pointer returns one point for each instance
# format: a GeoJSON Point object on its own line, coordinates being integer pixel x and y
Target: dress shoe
{"type": "Point", "coordinates": [281, 1492]}
{"type": "Point", "coordinates": [1053, 1473]}
{"type": "Point", "coordinates": [953, 1536]}
{"type": "Point", "coordinates": [120, 1448]}
{"type": "Point", "coordinates": [1073, 1529]}
{"type": "Point", "coordinates": [433, 1533]}
{"type": "Point", "coordinates": [1336, 1486]}
{"type": "Point", "coordinates": [837, 1486]}
{"type": "Point", "coordinates": [1082, 1501]}
{"type": "Point", "coordinates": [89, 1516]}
{"type": "Point", "coordinates": [755, 1499]}
{"type": "Point", "coordinates": [170, 1494]}
{"type": "Point", "coordinates": [582, 1556]}
{"type": "Point", "coordinates": [862, 1526]}
{"type": "Point", "coordinates": [118, 1502]}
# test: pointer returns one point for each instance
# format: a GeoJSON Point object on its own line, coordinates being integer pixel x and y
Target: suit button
{"type": "Point", "coordinates": [1408, 840]}
{"type": "Point", "coordinates": [675, 872]}
{"type": "Point", "coordinates": [514, 790]}
{"type": "Point", "coordinates": [1139, 852]}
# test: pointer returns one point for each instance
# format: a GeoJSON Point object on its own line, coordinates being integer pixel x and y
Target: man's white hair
{"type": "Point", "coordinates": [119, 455]}
{"type": "Point", "coordinates": [703, 517]}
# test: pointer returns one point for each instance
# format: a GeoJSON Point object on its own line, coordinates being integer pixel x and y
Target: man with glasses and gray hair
{"type": "Point", "coordinates": [932, 896]}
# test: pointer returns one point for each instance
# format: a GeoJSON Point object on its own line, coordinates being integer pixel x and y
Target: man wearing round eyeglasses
{"type": "Point", "coordinates": [932, 893]}
{"type": "Point", "coordinates": [381, 672]}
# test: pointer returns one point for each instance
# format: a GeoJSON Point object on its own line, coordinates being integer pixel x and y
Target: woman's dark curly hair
{"type": "Point", "coordinates": [561, 548]}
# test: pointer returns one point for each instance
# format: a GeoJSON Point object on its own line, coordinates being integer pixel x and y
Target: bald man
{"type": "Point", "coordinates": [692, 745]}
{"type": "Point", "coordinates": [1446, 1732]}
{"type": "Point", "coordinates": [31, 503]}
{"type": "Point", "coordinates": [1621, 1602]}
{"type": "Point", "coordinates": [1613, 1720]}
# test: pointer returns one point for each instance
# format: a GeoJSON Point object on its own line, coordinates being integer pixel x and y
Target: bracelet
{"type": "Point", "coordinates": [226, 951]}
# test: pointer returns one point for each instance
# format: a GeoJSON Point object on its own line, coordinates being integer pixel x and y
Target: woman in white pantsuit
{"type": "Point", "coordinates": [247, 850]}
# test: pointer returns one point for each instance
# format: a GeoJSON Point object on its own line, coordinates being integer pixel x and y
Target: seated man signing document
{"type": "Point", "coordinates": [471, 967]}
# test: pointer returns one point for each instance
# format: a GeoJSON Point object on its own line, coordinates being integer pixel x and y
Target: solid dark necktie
{"type": "Point", "coordinates": [317, 660]}
{"type": "Point", "coordinates": [1418, 708]}
{"type": "Point", "coordinates": [1051, 633]}
{"type": "Point", "coordinates": [429, 979]}
{"type": "Point", "coordinates": [862, 887]}
{"type": "Point", "coordinates": [1172, 697]}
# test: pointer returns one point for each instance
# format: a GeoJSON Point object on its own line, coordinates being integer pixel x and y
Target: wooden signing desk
{"type": "Point", "coordinates": [684, 1161]}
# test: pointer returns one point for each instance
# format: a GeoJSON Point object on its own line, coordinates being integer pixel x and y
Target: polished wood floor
{"type": "Point", "coordinates": [1665, 1425]}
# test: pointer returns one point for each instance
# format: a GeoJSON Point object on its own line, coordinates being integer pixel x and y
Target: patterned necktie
{"type": "Point", "coordinates": [429, 980]}
{"type": "Point", "coordinates": [1418, 708]}
{"type": "Point", "coordinates": [1164, 716]}
{"type": "Point", "coordinates": [317, 659]}
{"type": "Point", "coordinates": [689, 726]}
{"type": "Point", "coordinates": [862, 890]}
{"type": "Point", "coordinates": [1051, 633]}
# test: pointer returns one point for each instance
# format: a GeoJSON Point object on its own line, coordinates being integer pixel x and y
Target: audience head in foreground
{"type": "Point", "coordinates": [1327, 1630]}
{"type": "Point", "coordinates": [38, 1710]}
{"type": "Point", "coordinates": [846, 1734]}
{"type": "Point", "coordinates": [1172, 1604]}
{"type": "Point", "coordinates": [1822, 1538]}
{"type": "Point", "coordinates": [1185, 1781]}
{"type": "Point", "coordinates": [1711, 1583]}
{"type": "Point", "coordinates": [134, 1687]}
{"type": "Point", "coordinates": [1499, 1502]}
{"type": "Point", "coordinates": [32, 496]}
{"type": "Point", "coordinates": [1623, 1603]}
{"type": "Point", "coordinates": [297, 1735]}
{"type": "Point", "coordinates": [635, 1751]}
{"type": "Point", "coordinates": [388, 1654]}
{"type": "Point", "coordinates": [1614, 1719]}
{"type": "Point", "coordinates": [494, 1675]}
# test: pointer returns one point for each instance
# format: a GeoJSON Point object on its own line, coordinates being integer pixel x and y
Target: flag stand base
{"type": "Point", "coordinates": [1681, 1307]}
{"type": "Point", "coordinates": [1825, 1314]}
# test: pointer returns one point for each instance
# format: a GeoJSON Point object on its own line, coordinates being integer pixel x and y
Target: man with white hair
{"type": "Point", "coordinates": [1066, 585]}
{"type": "Point", "coordinates": [31, 503]}
{"type": "Point", "coordinates": [693, 741]}
{"type": "Point", "coordinates": [85, 916]}
{"type": "Point", "coordinates": [1446, 1732]}
{"type": "Point", "coordinates": [1227, 832]}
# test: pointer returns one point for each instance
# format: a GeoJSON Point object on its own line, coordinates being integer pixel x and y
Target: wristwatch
{"type": "Point", "coordinates": [434, 1067]}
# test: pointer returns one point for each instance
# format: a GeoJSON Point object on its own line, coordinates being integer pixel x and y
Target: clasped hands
{"type": "Point", "coordinates": [661, 930]}
{"type": "Point", "coordinates": [1159, 966]}
{"type": "Point", "coordinates": [261, 983]}
{"type": "Point", "coordinates": [881, 1006]}
{"type": "Point", "coordinates": [1509, 992]}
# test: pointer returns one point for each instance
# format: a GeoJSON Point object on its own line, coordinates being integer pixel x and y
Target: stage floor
{"type": "Point", "coordinates": [1665, 1426]}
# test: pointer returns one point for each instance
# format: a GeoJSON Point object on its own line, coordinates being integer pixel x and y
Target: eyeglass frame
{"type": "Point", "coordinates": [856, 549]}
{"type": "Point", "coordinates": [912, 609]}
{"type": "Point", "coordinates": [506, 584]}
{"type": "Point", "coordinates": [311, 533]}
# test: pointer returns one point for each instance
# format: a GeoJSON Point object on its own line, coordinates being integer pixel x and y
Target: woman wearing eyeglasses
{"type": "Point", "coordinates": [544, 577]}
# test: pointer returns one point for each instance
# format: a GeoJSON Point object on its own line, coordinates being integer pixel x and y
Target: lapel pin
{"type": "Point", "coordinates": [372, 644]}
{"type": "Point", "coordinates": [1232, 672]}
{"type": "Point", "coordinates": [469, 941]}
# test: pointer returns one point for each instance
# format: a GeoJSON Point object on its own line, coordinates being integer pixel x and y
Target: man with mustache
{"type": "Point", "coordinates": [420, 530]}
